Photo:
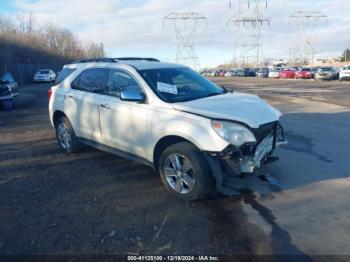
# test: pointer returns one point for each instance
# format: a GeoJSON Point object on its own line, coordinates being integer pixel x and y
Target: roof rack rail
{"type": "Point", "coordinates": [91, 60]}
{"type": "Point", "coordinates": [150, 59]}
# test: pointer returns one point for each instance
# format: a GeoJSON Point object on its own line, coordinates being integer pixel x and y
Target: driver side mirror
{"type": "Point", "coordinates": [132, 96]}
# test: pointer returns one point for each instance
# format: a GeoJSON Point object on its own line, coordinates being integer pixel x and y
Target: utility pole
{"type": "Point", "coordinates": [185, 27]}
{"type": "Point", "coordinates": [248, 22]}
{"type": "Point", "coordinates": [307, 21]}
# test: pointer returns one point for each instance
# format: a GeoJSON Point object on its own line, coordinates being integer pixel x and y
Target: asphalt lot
{"type": "Point", "coordinates": [96, 203]}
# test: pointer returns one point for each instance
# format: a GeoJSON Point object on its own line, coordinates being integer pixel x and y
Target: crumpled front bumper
{"type": "Point", "coordinates": [248, 158]}
{"type": "Point", "coordinates": [262, 152]}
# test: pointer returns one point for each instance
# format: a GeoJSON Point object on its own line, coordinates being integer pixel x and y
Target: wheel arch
{"type": "Point", "coordinates": [163, 143]}
{"type": "Point", "coordinates": [57, 115]}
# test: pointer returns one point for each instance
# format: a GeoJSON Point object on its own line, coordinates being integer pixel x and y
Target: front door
{"type": "Point", "coordinates": [123, 124]}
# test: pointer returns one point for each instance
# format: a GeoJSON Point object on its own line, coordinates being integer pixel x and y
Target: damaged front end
{"type": "Point", "coordinates": [248, 157]}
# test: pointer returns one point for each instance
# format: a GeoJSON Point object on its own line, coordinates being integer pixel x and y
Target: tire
{"type": "Point", "coordinates": [191, 178]}
{"type": "Point", "coordinates": [66, 137]}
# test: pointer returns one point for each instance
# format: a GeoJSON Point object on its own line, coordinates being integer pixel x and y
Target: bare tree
{"type": "Point", "coordinates": [22, 40]}
{"type": "Point", "coordinates": [94, 50]}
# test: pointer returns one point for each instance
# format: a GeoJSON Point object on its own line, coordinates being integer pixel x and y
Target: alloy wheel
{"type": "Point", "coordinates": [179, 173]}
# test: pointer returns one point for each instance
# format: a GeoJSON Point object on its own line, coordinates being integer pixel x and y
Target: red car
{"type": "Point", "coordinates": [304, 73]}
{"type": "Point", "coordinates": [287, 73]}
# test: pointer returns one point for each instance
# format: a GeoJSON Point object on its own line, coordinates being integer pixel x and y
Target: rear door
{"type": "Point", "coordinates": [123, 124]}
{"type": "Point", "coordinates": [81, 104]}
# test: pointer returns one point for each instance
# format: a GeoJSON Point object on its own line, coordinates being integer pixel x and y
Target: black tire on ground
{"type": "Point", "coordinates": [201, 170]}
{"type": "Point", "coordinates": [74, 145]}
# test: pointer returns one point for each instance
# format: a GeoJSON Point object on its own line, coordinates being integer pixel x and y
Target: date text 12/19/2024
{"type": "Point", "coordinates": [172, 258]}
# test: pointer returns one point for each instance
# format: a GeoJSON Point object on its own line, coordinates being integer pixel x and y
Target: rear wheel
{"type": "Point", "coordinates": [66, 137]}
{"type": "Point", "coordinates": [184, 171]}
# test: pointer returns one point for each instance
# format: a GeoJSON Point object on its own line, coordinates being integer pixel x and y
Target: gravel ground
{"type": "Point", "coordinates": [96, 203]}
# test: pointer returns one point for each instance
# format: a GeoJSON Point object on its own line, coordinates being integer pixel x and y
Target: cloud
{"type": "Point", "coordinates": [136, 27]}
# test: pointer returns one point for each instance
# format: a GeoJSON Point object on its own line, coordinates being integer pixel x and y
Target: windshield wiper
{"type": "Point", "coordinates": [226, 90]}
{"type": "Point", "coordinates": [215, 94]}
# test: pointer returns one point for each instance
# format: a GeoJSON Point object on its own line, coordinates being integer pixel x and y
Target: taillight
{"type": "Point", "coordinates": [49, 93]}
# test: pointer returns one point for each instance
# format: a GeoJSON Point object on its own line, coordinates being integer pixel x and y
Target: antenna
{"type": "Point", "coordinates": [248, 45]}
{"type": "Point", "coordinates": [185, 27]}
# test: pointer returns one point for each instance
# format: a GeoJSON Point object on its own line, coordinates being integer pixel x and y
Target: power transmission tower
{"type": "Point", "coordinates": [185, 27]}
{"type": "Point", "coordinates": [307, 22]}
{"type": "Point", "coordinates": [248, 21]}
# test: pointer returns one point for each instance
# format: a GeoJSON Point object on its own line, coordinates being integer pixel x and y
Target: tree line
{"type": "Point", "coordinates": [22, 41]}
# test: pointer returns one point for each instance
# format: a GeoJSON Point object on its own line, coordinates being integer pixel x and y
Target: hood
{"type": "Point", "coordinates": [244, 108]}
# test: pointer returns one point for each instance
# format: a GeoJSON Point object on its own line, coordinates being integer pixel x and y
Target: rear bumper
{"type": "Point", "coordinates": [303, 76]}
{"type": "Point", "coordinates": [344, 77]}
{"type": "Point", "coordinates": [41, 80]}
{"type": "Point", "coordinates": [324, 77]}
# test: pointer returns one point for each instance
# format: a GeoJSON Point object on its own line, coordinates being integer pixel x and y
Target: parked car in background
{"type": "Point", "coordinates": [217, 73]}
{"type": "Point", "coordinates": [249, 72]}
{"type": "Point", "coordinates": [314, 71]}
{"type": "Point", "coordinates": [239, 73]}
{"type": "Point", "coordinates": [344, 74]}
{"type": "Point", "coordinates": [287, 73]}
{"type": "Point", "coordinates": [191, 136]}
{"type": "Point", "coordinates": [230, 73]}
{"type": "Point", "coordinates": [8, 87]}
{"type": "Point", "coordinates": [326, 73]}
{"type": "Point", "coordinates": [205, 73]}
{"type": "Point", "coordinates": [304, 73]}
{"type": "Point", "coordinates": [45, 75]}
{"type": "Point", "coordinates": [263, 73]}
{"type": "Point", "coordinates": [337, 70]}
{"type": "Point", "coordinates": [274, 73]}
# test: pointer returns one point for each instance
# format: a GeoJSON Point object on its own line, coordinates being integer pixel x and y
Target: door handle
{"type": "Point", "coordinates": [105, 106]}
{"type": "Point", "coordinates": [71, 97]}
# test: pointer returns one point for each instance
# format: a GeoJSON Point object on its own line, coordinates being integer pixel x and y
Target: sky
{"type": "Point", "coordinates": [136, 28]}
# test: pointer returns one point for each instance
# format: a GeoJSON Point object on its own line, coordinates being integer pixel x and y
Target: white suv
{"type": "Point", "coordinates": [191, 131]}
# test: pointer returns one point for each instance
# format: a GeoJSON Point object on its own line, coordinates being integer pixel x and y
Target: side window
{"type": "Point", "coordinates": [119, 81]}
{"type": "Point", "coordinates": [91, 80]}
{"type": "Point", "coordinates": [64, 74]}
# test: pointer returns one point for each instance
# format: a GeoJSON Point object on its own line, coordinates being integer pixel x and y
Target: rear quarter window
{"type": "Point", "coordinates": [91, 80]}
{"type": "Point", "coordinates": [64, 74]}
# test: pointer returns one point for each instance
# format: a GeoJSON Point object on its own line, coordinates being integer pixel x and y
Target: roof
{"type": "Point", "coordinates": [144, 65]}
{"type": "Point", "coordinates": [138, 63]}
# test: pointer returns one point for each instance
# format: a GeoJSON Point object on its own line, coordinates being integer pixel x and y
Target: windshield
{"type": "Point", "coordinates": [306, 69]}
{"type": "Point", "coordinates": [44, 72]}
{"type": "Point", "coordinates": [179, 84]}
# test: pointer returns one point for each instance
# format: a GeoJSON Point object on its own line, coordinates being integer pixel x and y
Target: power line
{"type": "Point", "coordinates": [185, 27]}
{"type": "Point", "coordinates": [248, 44]}
{"type": "Point", "coordinates": [307, 22]}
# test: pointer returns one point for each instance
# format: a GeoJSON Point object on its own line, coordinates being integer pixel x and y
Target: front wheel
{"type": "Point", "coordinates": [66, 137]}
{"type": "Point", "coordinates": [184, 171]}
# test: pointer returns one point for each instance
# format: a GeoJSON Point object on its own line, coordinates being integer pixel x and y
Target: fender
{"type": "Point", "coordinates": [195, 129]}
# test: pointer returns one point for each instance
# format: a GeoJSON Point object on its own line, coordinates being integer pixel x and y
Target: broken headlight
{"type": "Point", "coordinates": [233, 133]}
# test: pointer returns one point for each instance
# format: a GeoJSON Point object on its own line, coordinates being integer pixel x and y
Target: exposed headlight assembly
{"type": "Point", "coordinates": [233, 133]}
